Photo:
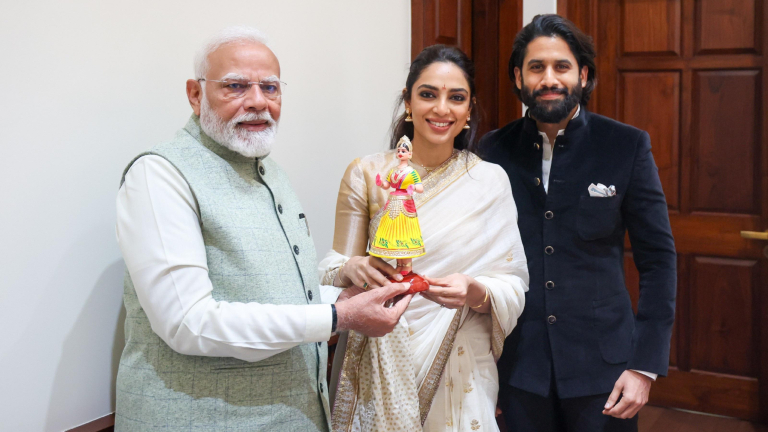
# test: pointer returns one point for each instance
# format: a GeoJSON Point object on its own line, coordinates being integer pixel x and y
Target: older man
{"type": "Point", "coordinates": [226, 326]}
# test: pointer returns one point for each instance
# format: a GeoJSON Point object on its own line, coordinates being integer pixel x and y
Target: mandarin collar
{"type": "Point", "coordinates": [574, 126]}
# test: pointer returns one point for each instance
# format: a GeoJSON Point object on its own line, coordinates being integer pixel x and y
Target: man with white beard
{"type": "Point", "coordinates": [227, 325]}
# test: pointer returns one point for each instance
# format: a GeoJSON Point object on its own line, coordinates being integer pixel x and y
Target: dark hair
{"type": "Point", "coordinates": [466, 139]}
{"type": "Point", "coordinates": [581, 45]}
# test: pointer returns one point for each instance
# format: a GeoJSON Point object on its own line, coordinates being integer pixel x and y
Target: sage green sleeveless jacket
{"type": "Point", "coordinates": [258, 249]}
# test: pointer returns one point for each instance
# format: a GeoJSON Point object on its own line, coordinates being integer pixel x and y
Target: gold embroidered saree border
{"type": "Point", "coordinates": [346, 393]}
{"type": "Point", "coordinates": [497, 334]}
{"type": "Point", "coordinates": [444, 175]}
{"type": "Point", "coordinates": [431, 382]}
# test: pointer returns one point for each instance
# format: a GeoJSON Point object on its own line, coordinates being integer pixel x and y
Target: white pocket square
{"type": "Point", "coordinates": [601, 190]}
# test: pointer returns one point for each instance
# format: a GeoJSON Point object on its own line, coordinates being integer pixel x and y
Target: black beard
{"type": "Point", "coordinates": [552, 111]}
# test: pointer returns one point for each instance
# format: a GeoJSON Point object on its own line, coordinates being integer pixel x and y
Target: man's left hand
{"type": "Point", "coordinates": [633, 388]}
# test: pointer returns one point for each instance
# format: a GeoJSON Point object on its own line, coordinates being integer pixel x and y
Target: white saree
{"type": "Point", "coordinates": [436, 371]}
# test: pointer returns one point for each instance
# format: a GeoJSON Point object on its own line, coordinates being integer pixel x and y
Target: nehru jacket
{"type": "Point", "coordinates": [578, 327]}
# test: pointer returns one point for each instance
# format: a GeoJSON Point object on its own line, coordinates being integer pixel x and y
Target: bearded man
{"type": "Point", "coordinates": [579, 358]}
{"type": "Point", "coordinates": [226, 325]}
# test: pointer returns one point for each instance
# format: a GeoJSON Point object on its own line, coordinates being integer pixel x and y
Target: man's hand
{"type": "Point", "coordinates": [347, 294]}
{"type": "Point", "coordinates": [365, 312]}
{"type": "Point", "coordinates": [633, 388]}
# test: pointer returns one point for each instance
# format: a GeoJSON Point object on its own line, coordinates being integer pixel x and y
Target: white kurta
{"type": "Point", "coordinates": [158, 230]}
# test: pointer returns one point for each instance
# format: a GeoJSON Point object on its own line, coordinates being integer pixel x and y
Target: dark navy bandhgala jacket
{"type": "Point", "coordinates": [578, 326]}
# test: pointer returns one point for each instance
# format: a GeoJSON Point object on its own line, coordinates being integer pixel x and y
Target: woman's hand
{"type": "Point", "coordinates": [457, 290]}
{"type": "Point", "coordinates": [367, 272]}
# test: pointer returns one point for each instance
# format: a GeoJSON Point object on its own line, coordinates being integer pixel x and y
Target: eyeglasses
{"type": "Point", "coordinates": [237, 88]}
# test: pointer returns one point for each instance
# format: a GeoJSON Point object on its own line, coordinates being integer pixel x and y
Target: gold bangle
{"type": "Point", "coordinates": [484, 300]}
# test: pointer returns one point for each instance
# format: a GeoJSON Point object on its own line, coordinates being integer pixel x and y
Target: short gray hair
{"type": "Point", "coordinates": [234, 34]}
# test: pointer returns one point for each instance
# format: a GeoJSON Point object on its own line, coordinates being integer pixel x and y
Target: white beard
{"type": "Point", "coordinates": [248, 143]}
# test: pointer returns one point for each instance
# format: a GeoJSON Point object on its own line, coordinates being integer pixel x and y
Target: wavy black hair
{"type": "Point", "coordinates": [581, 45]}
{"type": "Point", "coordinates": [467, 138]}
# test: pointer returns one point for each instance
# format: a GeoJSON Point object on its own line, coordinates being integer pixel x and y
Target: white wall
{"type": "Point", "coordinates": [85, 86]}
{"type": "Point", "coordinates": [531, 8]}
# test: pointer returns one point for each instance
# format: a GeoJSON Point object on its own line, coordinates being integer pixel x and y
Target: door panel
{"type": "Point", "coordinates": [651, 27]}
{"type": "Point", "coordinates": [725, 120]}
{"type": "Point", "coordinates": [728, 26]}
{"type": "Point", "coordinates": [690, 73]}
{"type": "Point", "coordinates": [722, 333]}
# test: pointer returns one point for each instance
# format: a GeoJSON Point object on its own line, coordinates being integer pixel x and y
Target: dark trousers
{"type": "Point", "coordinates": [529, 412]}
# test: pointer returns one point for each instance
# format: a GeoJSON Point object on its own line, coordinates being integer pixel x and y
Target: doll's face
{"type": "Point", "coordinates": [439, 104]}
{"type": "Point", "coordinates": [403, 153]}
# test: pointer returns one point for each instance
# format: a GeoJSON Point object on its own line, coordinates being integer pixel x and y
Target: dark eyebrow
{"type": "Point", "coordinates": [430, 87]}
{"type": "Point", "coordinates": [532, 61]}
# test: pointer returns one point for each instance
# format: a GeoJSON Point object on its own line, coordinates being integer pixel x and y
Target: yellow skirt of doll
{"type": "Point", "coordinates": [398, 235]}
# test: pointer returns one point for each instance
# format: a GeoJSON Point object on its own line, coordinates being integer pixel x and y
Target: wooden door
{"type": "Point", "coordinates": [484, 30]}
{"type": "Point", "coordinates": [693, 73]}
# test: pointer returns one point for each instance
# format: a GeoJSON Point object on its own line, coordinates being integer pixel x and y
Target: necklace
{"type": "Point", "coordinates": [430, 169]}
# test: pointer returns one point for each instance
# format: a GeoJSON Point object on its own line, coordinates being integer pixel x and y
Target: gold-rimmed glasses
{"type": "Point", "coordinates": [233, 88]}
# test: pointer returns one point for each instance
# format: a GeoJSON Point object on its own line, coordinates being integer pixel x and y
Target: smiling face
{"type": "Point", "coordinates": [440, 104]}
{"type": "Point", "coordinates": [245, 124]}
{"type": "Point", "coordinates": [550, 81]}
{"type": "Point", "coordinates": [250, 60]}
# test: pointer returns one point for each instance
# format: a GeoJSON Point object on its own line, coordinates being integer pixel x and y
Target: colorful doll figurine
{"type": "Point", "coordinates": [398, 235]}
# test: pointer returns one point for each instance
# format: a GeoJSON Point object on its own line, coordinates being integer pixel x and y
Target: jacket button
{"type": "Point", "coordinates": [536, 145]}
{"type": "Point", "coordinates": [551, 319]}
{"type": "Point", "coordinates": [538, 181]}
{"type": "Point", "coordinates": [549, 215]}
{"type": "Point", "coordinates": [309, 295]}
{"type": "Point", "coordinates": [261, 170]}
{"type": "Point", "coordinates": [549, 250]}
{"type": "Point", "coordinates": [296, 249]}
{"type": "Point", "coordinates": [280, 208]}
{"type": "Point", "coordinates": [550, 284]}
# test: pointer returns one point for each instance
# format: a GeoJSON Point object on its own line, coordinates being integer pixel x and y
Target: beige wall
{"type": "Point", "coordinates": [85, 86]}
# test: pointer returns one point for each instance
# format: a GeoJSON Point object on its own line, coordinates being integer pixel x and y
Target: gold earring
{"type": "Point", "coordinates": [408, 115]}
{"type": "Point", "coordinates": [466, 125]}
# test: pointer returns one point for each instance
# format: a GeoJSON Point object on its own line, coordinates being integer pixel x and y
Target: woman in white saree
{"type": "Point", "coordinates": [436, 371]}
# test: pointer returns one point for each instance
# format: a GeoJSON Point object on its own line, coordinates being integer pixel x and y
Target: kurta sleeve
{"type": "Point", "coordinates": [158, 230]}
